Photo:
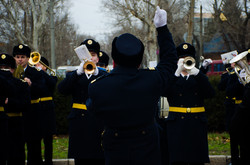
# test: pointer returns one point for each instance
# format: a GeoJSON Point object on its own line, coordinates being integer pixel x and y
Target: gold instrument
{"type": "Point", "coordinates": [35, 58]}
{"type": "Point", "coordinates": [89, 67]}
{"type": "Point", "coordinates": [19, 72]}
{"type": "Point", "coordinates": [242, 65]}
{"type": "Point", "coordinates": [189, 63]}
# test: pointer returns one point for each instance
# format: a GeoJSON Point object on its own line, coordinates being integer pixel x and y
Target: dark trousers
{"type": "Point", "coordinates": [89, 161]}
{"type": "Point", "coordinates": [48, 144]}
{"type": "Point", "coordinates": [234, 147]}
{"type": "Point", "coordinates": [34, 152]}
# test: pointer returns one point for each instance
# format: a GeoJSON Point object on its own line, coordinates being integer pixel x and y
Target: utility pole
{"type": "Point", "coordinates": [52, 35]}
{"type": "Point", "coordinates": [191, 22]}
{"type": "Point", "coordinates": [201, 33]}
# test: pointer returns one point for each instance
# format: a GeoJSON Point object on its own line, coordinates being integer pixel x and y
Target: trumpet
{"type": "Point", "coordinates": [242, 66]}
{"type": "Point", "coordinates": [189, 62]}
{"type": "Point", "coordinates": [89, 67]}
{"type": "Point", "coordinates": [35, 58]}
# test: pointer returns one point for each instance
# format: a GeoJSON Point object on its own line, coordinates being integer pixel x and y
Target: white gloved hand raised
{"type": "Point", "coordinates": [207, 62]}
{"type": "Point", "coordinates": [180, 67]}
{"type": "Point", "coordinates": [96, 71]}
{"type": "Point", "coordinates": [80, 70]}
{"type": "Point", "coordinates": [194, 71]}
{"type": "Point", "coordinates": [160, 18]}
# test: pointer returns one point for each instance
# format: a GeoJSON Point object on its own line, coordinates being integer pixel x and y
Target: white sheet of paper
{"type": "Point", "coordinates": [83, 53]}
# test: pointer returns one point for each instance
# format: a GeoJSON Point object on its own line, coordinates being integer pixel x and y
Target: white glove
{"type": "Point", "coordinates": [160, 18]}
{"type": "Point", "coordinates": [194, 71]}
{"type": "Point", "coordinates": [80, 70]}
{"type": "Point", "coordinates": [180, 67]}
{"type": "Point", "coordinates": [96, 71]}
{"type": "Point", "coordinates": [207, 62]}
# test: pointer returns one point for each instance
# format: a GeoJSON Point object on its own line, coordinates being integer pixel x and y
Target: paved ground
{"type": "Point", "coordinates": [214, 160]}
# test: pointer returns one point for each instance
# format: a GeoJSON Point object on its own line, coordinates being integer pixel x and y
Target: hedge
{"type": "Point", "coordinates": [214, 108]}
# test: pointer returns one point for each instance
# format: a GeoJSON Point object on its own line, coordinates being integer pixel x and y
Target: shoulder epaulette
{"type": "Point", "coordinates": [99, 78]}
{"type": "Point", "coordinates": [151, 68]}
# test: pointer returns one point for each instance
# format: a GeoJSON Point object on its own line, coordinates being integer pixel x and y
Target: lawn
{"type": "Point", "coordinates": [219, 144]}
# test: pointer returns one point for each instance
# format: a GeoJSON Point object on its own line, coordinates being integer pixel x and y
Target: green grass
{"type": "Point", "coordinates": [219, 144]}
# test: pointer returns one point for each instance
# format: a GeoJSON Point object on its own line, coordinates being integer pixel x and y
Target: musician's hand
{"type": "Point", "coordinates": [96, 72]}
{"type": "Point", "coordinates": [28, 81]}
{"type": "Point", "coordinates": [194, 71]}
{"type": "Point", "coordinates": [6, 101]}
{"type": "Point", "coordinates": [80, 69]}
{"type": "Point", "coordinates": [180, 67]}
{"type": "Point", "coordinates": [160, 18]}
{"type": "Point", "coordinates": [207, 62]}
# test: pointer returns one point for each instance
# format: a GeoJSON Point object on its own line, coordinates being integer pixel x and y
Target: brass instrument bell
{"type": "Point", "coordinates": [189, 63]}
{"type": "Point", "coordinates": [35, 58]}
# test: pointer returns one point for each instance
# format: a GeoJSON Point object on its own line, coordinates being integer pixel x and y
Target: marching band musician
{"type": "Point", "coordinates": [5, 88]}
{"type": "Point", "coordinates": [126, 99]}
{"type": "Point", "coordinates": [17, 103]}
{"type": "Point", "coordinates": [187, 123]}
{"type": "Point", "coordinates": [84, 130]}
{"type": "Point", "coordinates": [103, 61]}
{"type": "Point", "coordinates": [47, 113]}
{"type": "Point", "coordinates": [234, 93]}
{"type": "Point", "coordinates": [32, 127]}
{"type": "Point", "coordinates": [239, 121]}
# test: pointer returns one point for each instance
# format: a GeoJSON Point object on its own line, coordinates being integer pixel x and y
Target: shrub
{"type": "Point", "coordinates": [215, 107]}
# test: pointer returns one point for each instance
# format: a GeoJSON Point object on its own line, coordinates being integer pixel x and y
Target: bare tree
{"type": "Point", "coordinates": [25, 18]}
{"type": "Point", "coordinates": [235, 29]}
{"type": "Point", "coordinates": [136, 17]}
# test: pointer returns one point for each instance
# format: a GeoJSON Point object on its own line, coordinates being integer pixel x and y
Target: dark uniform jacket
{"type": "Point", "coordinates": [18, 102]}
{"type": "Point", "coordinates": [32, 127]}
{"type": "Point", "coordinates": [84, 130]}
{"type": "Point", "coordinates": [47, 113]}
{"type": "Point", "coordinates": [187, 132]}
{"type": "Point", "coordinates": [126, 100]}
{"type": "Point", "coordinates": [5, 88]}
{"type": "Point", "coordinates": [234, 93]}
{"type": "Point", "coordinates": [241, 123]}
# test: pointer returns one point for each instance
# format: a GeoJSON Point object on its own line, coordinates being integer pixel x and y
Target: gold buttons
{"type": "Point", "coordinates": [116, 134]}
{"type": "Point", "coordinates": [188, 110]}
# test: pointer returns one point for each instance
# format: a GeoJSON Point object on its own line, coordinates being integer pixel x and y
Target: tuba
{"type": "Point", "coordinates": [19, 72]}
{"type": "Point", "coordinates": [189, 63]}
{"type": "Point", "coordinates": [35, 58]}
{"type": "Point", "coordinates": [242, 66]}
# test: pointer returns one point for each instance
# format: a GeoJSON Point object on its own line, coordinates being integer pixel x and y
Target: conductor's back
{"type": "Point", "coordinates": [126, 99]}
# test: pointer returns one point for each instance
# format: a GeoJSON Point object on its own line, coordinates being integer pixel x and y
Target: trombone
{"type": "Point", "coordinates": [35, 58]}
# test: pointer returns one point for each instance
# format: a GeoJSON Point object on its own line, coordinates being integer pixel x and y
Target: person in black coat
{"type": "Point", "coordinates": [234, 94]}
{"type": "Point", "coordinates": [186, 124]}
{"type": "Point", "coordinates": [126, 99]}
{"type": "Point", "coordinates": [17, 103]}
{"type": "Point", "coordinates": [5, 88]}
{"type": "Point", "coordinates": [84, 129]}
{"type": "Point", "coordinates": [47, 113]}
{"type": "Point", "coordinates": [240, 124]}
{"type": "Point", "coordinates": [32, 127]}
